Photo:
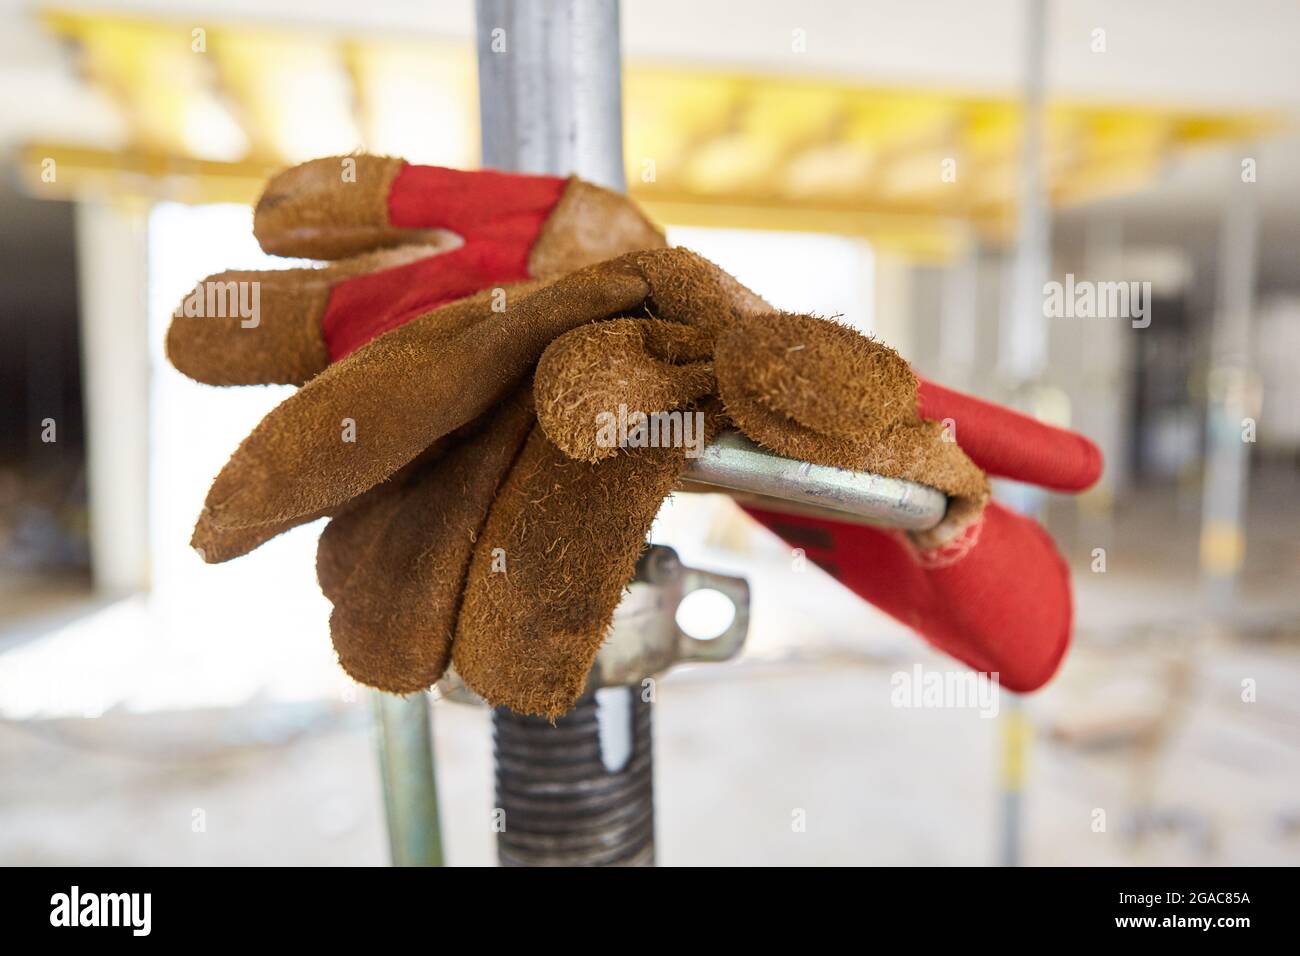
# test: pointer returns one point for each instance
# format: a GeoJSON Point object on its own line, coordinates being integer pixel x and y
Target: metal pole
{"type": "Point", "coordinates": [1227, 471]}
{"type": "Point", "coordinates": [1022, 352]}
{"type": "Point", "coordinates": [1022, 357]}
{"type": "Point", "coordinates": [579, 792]}
{"type": "Point", "coordinates": [550, 88]}
{"type": "Point", "coordinates": [959, 314]}
{"type": "Point", "coordinates": [406, 772]}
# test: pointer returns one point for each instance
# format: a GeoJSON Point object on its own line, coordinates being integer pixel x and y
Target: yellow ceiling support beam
{"type": "Point", "coordinates": [166, 92]}
{"type": "Point", "coordinates": [703, 146]}
{"type": "Point", "coordinates": [920, 238]}
{"type": "Point", "coordinates": [59, 171]}
{"type": "Point", "coordinates": [292, 90]}
{"type": "Point", "coordinates": [394, 81]}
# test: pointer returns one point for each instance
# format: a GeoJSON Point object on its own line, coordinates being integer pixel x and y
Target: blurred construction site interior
{"type": "Point", "coordinates": [861, 160]}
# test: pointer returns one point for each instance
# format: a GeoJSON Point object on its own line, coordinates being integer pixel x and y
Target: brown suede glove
{"type": "Point", "coordinates": [482, 512]}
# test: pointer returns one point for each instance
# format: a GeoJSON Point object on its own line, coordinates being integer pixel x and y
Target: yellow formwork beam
{"type": "Point", "coordinates": [726, 148]}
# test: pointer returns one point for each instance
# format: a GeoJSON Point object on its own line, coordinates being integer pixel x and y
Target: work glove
{"type": "Point", "coordinates": [476, 517]}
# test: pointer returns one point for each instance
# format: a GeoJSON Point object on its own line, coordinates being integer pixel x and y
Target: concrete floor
{"type": "Point", "coordinates": [739, 749]}
{"type": "Point", "coordinates": [1146, 722]}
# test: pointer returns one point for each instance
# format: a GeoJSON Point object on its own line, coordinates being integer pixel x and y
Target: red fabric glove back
{"type": "Point", "coordinates": [1008, 611]}
{"type": "Point", "coordinates": [481, 205]}
{"type": "Point", "coordinates": [996, 596]}
{"type": "Point", "coordinates": [499, 215]}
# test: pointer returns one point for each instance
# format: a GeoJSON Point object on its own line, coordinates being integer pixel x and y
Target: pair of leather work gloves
{"type": "Point", "coordinates": [457, 355]}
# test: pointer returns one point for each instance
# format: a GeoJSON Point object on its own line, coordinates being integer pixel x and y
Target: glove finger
{"type": "Point", "coordinates": [331, 208]}
{"type": "Point", "coordinates": [265, 327]}
{"type": "Point", "coordinates": [395, 615]}
{"type": "Point", "coordinates": [362, 419]}
{"type": "Point", "coordinates": [350, 535]}
{"type": "Point", "coordinates": [814, 390]}
{"type": "Point", "coordinates": [215, 545]}
{"type": "Point", "coordinates": [824, 376]}
{"type": "Point", "coordinates": [591, 378]}
{"type": "Point", "coordinates": [560, 545]}
{"type": "Point", "coordinates": [1011, 445]}
{"type": "Point", "coordinates": [534, 226]}
{"type": "Point", "coordinates": [685, 287]}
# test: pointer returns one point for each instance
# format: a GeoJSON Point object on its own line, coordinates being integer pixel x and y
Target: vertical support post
{"type": "Point", "coordinates": [112, 253]}
{"type": "Point", "coordinates": [1102, 382]}
{"type": "Point", "coordinates": [406, 772]}
{"type": "Point", "coordinates": [1022, 347]}
{"type": "Point", "coordinates": [1022, 357]}
{"type": "Point", "coordinates": [1016, 738]}
{"type": "Point", "coordinates": [959, 314]}
{"type": "Point", "coordinates": [551, 101]}
{"type": "Point", "coordinates": [550, 88]}
{"type": "Point", "coordinates": [1227, 469]}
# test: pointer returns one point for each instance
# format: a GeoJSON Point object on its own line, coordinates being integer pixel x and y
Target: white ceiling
{"type": "Point", "coordinates": [1243, 54]}
{"type": "Point", "coordinates": [1225, 52]}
